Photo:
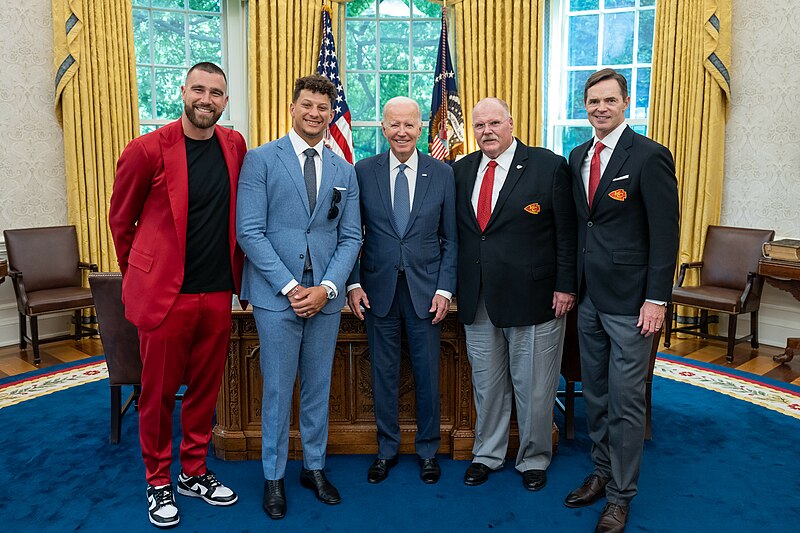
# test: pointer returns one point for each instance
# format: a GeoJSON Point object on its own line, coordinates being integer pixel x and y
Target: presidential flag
{"type": "Point", "coordinates": [446, 127]}
{"type": "Point", "coordinates": [339, 136]}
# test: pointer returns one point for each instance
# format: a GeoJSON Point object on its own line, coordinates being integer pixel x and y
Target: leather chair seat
{"type": "Point", "coordinates": [713, 298]}
{"type": "Point", "coordinates": [60, 299]}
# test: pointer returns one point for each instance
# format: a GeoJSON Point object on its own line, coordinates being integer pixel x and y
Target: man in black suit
{"type": "Point", "coordinates": [516, 281]}
{"type": "Point", "coordinates": [626, 197]}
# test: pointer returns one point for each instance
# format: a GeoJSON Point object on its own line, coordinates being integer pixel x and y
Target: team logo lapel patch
{"type": "Point", "coordinates": [619, 195]}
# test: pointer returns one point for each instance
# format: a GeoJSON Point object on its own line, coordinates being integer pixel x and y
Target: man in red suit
{"type": "Point", "coordinates": [172, 217]}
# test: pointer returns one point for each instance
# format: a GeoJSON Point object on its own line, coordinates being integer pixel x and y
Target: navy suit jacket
{"type": "Point", "coordinates": [428, 245]}
{"type": "Point", "coordinates": [628, 240]}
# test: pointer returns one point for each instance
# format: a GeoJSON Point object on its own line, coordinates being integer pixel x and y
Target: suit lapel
{"type": "Point", "coordinates": [472, 177]}
{"type": "Point", "coordinates": [292, 163]}
{"type": "Point", "coordinates": [329, 170]}
{"type": "Point", "coordinates": [229, 153]}
{"type": "Point", "coordinates": [421, 187]}
{"type": "Point", "coordinates": [173, 148]}
{"type": "Point", "coordinates": [381, 170]}
{"type": "Point", "coordinates": [618, 158]}
{"type": "Point", "coordinates": [518, 165]}
{"type": "Point", "coordinates": [577, 177]}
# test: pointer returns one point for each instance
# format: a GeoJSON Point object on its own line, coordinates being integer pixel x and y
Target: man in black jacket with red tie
{"type": "Point", "coordinates": [626, 197]}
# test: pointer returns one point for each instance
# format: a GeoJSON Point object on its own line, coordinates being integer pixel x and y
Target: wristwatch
{"type": "Point", "coordinates": [330, 291]}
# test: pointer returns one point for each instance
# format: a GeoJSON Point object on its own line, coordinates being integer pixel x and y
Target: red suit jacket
{"type": "Point", "coordinates": [148, 214]}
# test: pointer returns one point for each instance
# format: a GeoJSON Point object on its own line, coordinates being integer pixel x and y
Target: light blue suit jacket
{"type": "Point", "coordinates": [427, 248]}
{"type": "Point", "coordinates": [274, 225]}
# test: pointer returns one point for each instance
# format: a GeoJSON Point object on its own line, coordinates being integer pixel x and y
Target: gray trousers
{"type": "Point", "coordinates": [614, 362]}
{"type": "Point", "coordinates": [527, 361]}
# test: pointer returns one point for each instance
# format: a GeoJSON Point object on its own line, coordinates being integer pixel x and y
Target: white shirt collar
{"type": "Point", "coordinates": [300, 145]}
{"type": "Point", "coordinates": [611, 140]}
{"type": "Point", "coordinates": [503, 160]}
{"type": "Point", "coordinates": [412, 163]}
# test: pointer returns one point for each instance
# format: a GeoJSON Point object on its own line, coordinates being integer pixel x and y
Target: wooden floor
{"type": "Point", "coordinates": [14, 361]}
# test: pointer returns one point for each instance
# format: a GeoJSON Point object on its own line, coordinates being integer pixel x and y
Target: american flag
{"type": "Point", "coordinates": [446, 132]}
{"type": "Point", "coordinates": [339, 136]}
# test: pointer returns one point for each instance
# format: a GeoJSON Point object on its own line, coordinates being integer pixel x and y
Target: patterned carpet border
{"type": "Point", "coordinates": [781, 400]}
{"type": "Point", "coordinates": [778, 399]}
{"type": "Point", "coordinates": [43, 384]}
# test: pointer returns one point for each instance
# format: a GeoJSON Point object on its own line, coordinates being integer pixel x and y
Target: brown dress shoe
{"type": "Point", "coordinates": [592, 489]}
{"type": "Point", "coordinates": [613, 519]}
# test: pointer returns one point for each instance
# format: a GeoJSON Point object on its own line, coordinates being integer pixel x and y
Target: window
{"type": "Point", "coordinates": [390, 50]}
{"type": "Point", "coordinates": [585, 36]}
{"type": "Point", "coordinates": [172, 35]}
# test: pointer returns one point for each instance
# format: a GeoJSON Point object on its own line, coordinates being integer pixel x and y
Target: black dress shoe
{"type": "Point", "coordinates": [316, 481]}
{"type": "Point", "coordinates": [429, 470]}
{"type": "Point", "coordinates": [534, 479]}
{"type": "Point", "coordinates": [274, 502]}
{"type": "Point", "coordinates": [379, 469]}
{"type": "Point", "coordinates": [592, 489]}
{"type": "Point", "coordinates": [476, 474]}
{"type": "Point", "coordinates": [613, 519]}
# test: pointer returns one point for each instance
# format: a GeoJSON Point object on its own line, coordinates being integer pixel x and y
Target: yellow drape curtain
{"type": "Point", "coordinates": [499, 48]}
{"type": "Point", "coordinates": [690, 100]}
{"type": "Point", "coordinates": [284, 41]}
{"type": "Point", "coordinates": [97, 106]}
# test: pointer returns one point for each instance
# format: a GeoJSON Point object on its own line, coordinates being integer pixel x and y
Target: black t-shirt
{"type": "Point", "coordinates": [208, 258]}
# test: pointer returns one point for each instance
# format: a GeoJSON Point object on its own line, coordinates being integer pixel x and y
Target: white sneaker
{"type": "Point", "coordinates": [162, 509]}
{"type": "Point", "coordinates": [207, 487]}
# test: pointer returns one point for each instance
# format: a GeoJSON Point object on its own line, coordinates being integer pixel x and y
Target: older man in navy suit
{"type": "Point", "coordinates": [298, 223]}
{"type": "Point", "coordinates": [405, 279]}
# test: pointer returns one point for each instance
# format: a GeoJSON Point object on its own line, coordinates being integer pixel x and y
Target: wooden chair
{"type": "Point", "coordinates": [571, 371]}
{"type": "Point", "coordinates": [729, 283]}
{"type": "Point", "coordinates": [46, 272]}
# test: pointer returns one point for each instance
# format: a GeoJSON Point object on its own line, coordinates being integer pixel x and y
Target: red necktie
{"type": "Point", "coordinates": [485, 196]}
{"type": "Point", "coordinates": [594, 172]}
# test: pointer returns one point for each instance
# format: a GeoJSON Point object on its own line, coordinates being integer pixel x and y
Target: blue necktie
{"type": "Point", "coordinates": [402, 205]}
{"type": "Point", "coordinates": [310, 177]}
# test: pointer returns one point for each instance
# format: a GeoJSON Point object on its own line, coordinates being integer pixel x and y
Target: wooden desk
{"type": "Point", "coordinates": [351, 428]}
{"type": "Point", "coordinates": [3, 270]}
{"type": "Point", "coordinates": [785, 276]}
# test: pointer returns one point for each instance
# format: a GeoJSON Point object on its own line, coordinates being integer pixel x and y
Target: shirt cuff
{"type": "Point", "coordinates": [446, 294]}
{"type": "Point", "coordinates": [657, 302]}
{"type": "Point", "coordinates": [353, 286]}
{"type": "Point", "coordinates": [330, 285]}
{"type": "Point", "coordinates": [289, 286]}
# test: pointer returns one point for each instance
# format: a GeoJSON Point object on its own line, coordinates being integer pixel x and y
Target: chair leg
{"type": "Point", "coordinates": [78, 317]}
{"type": "Point", "coordinates": [23, 331]}
{"type": "Point", "coordinates": [704, 321]}
{"type": "Point", "coordinates": [569, 410]}
{"type": "Point", "coordinates": [754, 329]}
{"type": "Point", "coordinates": [667, 325]}
{"type": "Point", "coordinates": [35, 339]}
{"type": "Point", "coordinates": [731, 337]}
{"type": "Point", "coordinates": [116, 414]}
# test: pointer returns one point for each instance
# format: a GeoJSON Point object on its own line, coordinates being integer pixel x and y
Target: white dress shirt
{"type": "Point", "coordinates": [500, 174]}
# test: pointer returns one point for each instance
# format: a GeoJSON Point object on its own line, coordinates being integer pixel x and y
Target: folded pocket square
{"type": "Point", "coordinates": [626, 176]}
{"type": "Point", "coordinates": [340, 188]}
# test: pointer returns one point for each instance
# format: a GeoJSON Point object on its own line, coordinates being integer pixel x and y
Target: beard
{"type": "Point", "coordinates": [200, 121]}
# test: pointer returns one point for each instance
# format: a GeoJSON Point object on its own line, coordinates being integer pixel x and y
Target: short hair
{"type": "Point", "coordinates": [499, 101]}
{"type": "Point", "coordinates": [316, 84]}
{"type": "Point", "coordinates": [401, 100]}
{"type": "Point", "coordinates": [211, 68]}
{"type": "Point", "coordinates": [606, 74]}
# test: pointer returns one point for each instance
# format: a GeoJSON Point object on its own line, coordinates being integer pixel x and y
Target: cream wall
{"type": "Point", "coordinates": [762, 187]}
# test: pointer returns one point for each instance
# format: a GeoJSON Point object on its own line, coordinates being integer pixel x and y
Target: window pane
{"type": "Point", "coordinates": [395, 8]}
{"type": "Point", "coordinates": [618, 38]}
{"type": "Point", "coordinates": [613, 4]}
{"type": "Point", "coordinates": [361, 8]}
{"type": "Point", "coordinates": [205, 38]}
{"type": "Point", "coordinates": [361, 96]}
{"type": "Point", "coordinates": [576, 81]}
{"type": "Point", "coordinates": [582, 5]}
{"type": "Point", "coordinates": [144, 81]}
{"type": "Point", "coordinates": [147, 128]}
{"type": "Point", "coordinates": [168, 92]}
{"type": "Point", "coordinates": [640, 129]}
{"type": "Point", "coordinates": [422, 142]}
{"type": "Point", "coordinates": [394, 45]}
{"type": "Point", "coordinates": [364, 142]}
{"type": "Point", "coordinates": [393, 85]}
{"type": "Point", "coordinates": [421, 91]}
{"type": "Point", "coordinates": [583, 40]}
{"type": "Point", "coordinates": [642, 92]}
{"type": "Point", "coordinates": [627, 73]}
{"type": "Point", "coordinates": [168, 3]}
{"type": "Point", "coordinates": [361, 47]}
{"type": "Point", "coordinates": [425, 44]}
{"type": "Point", "coordinates": [212, 6]}
{"type": "Point", "coordinates": [647, 21]}
{"type": "Point", "coordinates": [572, 136]}
{"type": "Point", "coordinates": [645, 3]}
{"type": "Point", "coordinates": [145, 3]}
{"type": "Point", "coordinates": [423, 8]}
{"type": "Point", "coordinates": [169, 41]}
{"type": "Point", "coordinates": [141, 35]}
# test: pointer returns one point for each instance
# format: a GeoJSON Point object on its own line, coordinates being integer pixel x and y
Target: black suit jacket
{"type": "Point", "coordinates": [528, 249]}
{"type": "Point", "coordinates": [628, 241]}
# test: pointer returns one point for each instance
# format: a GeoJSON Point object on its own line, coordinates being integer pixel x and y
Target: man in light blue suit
{"type": "Point", "coordinates": [405, 278]}
{"type": "Point", "coordinates": [299, 225]}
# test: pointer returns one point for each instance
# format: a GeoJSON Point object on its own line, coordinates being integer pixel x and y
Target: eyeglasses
{"type": "Point", "coordinates": [480, 126]}
{"type": "Point", "coordinates": [333, 212]}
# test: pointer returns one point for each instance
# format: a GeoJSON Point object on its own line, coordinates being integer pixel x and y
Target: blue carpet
{"type": "Point", "coordinates": [715, 464]}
